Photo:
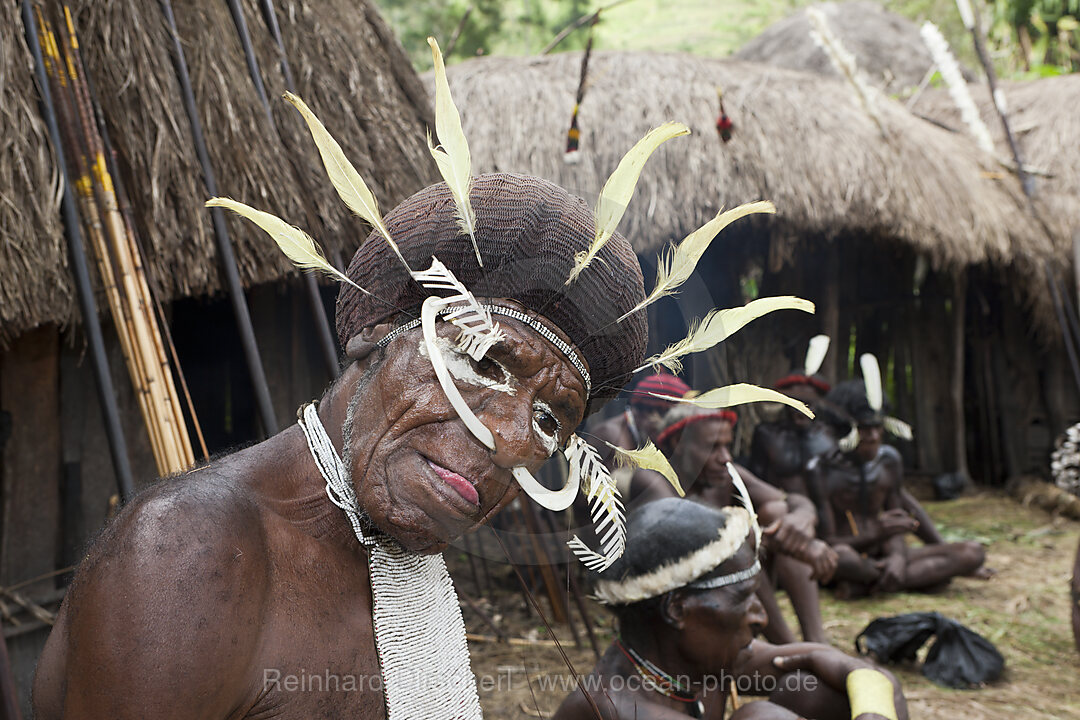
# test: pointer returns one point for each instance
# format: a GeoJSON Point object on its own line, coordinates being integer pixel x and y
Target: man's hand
{"type": "Point", "coordinates": [893, 573]}
{"type": "Point", "coordinates": [786, 535]}
{"type": "Point", "coordinates": [895, 522]}
{"type": "Point", "coordinates": [822, 559]}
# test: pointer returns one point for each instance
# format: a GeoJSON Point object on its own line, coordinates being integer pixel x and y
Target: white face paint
{"type": "Point", "coordinates": [548, 440]}
{"type": "Point", "coordinates": [545, 422]}
{"type": "Point", "coordinates": [461, 368]}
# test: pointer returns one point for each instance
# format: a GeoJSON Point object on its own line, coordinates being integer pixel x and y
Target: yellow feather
{"type": "Point", "coordinates": [718, 325]}
{"type": "Point", "coordinates": [675, 267]}
{"type": "Point", "coordinates": [619, 188]}
{"type": "Point", "coordinates": [297, 245]}
{"type": "Point", "coordinates": [739, 394]}
{"type": "Point", "coordinates": [350, 186]}
{"type": "Point", "coordinates": [648, 458]}
{"type": "Point", "coordinates": [452, 155]}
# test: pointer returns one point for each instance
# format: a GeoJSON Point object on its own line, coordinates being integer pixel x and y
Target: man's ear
{"type": "Point", "coordinates": [673, 609]}
{"type": "Point", "coordinates": [364, 342]}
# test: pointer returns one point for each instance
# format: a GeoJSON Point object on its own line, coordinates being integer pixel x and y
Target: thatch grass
{"type": "Point", "coordinates": [1044, 118]}
{"type": "Point", "coordinates": [33, 257]}
{"type": "Point", "coordinates": [800, 140]}
{"type": "Point", "coordinates": [347, 65]}
{"type": "Point", "coordinates": [886, 46]}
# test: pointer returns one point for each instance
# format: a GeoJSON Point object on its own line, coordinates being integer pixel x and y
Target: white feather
{"type": "Point", "coordinates": [871, 373]}
{"type": "Point", "coordinates": [815, 354]}
{"type": "Point", "coordinates": [718, 325]}
{"type": "Point", "coordinates": [452, 155]}
{"type": "Point", "coordinates": [744, 497]}
{"type": "Point", "coordinates": [618, 190]}
{"type": "Point", "coordinates": [738, 394]}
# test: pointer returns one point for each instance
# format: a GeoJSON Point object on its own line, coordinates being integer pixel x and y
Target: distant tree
{"type": "Point", "coordinates": [1042, 36]}
{"type": "Point", "coordinates": [511, 27]}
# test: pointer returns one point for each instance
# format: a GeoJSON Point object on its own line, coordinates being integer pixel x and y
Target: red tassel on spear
{"type": "Point", "coordinates": [724, 126]}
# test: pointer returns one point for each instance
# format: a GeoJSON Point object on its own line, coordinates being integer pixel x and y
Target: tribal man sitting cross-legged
{"type": "Point", "coordinates": [684, 597]}
{"type": "Point", "coordinates": [861, 509]}
{"type": "Point", "coordinates": [482, 320]}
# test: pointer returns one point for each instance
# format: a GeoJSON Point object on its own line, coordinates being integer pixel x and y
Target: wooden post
{"type": "Point", "coordinates": [959, 431]}
{"type": "Point", "coordinates": [830, 315]}
{"type": "Point", "coordinates": [1076, 262]}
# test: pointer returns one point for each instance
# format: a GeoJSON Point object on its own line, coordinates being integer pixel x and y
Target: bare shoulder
{"type": "Point", "coordinates": [176, 579]}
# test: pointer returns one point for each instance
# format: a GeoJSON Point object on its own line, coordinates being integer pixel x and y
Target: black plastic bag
{"type": "Point", "coordinates": [959, 657]}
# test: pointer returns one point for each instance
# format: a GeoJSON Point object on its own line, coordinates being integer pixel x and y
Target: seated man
{"type": "Point", "coordinates": [683, 594]}
{"type": "Point", "coordinates": [862, 515]}
{"type": "Point", "coordinates": [698, 443]}
{"type": "Point", "coordinates": [781, 449]}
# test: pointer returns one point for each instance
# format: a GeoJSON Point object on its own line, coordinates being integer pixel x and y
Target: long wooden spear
{"type": "Point", "coordinates": [311, 286]}
{"type": "Point", "coordinates": [84, 290]}
{"type": "Point", "coordinates": [221, 233]}
{"type": "Point", "coordinates": [150, 289]}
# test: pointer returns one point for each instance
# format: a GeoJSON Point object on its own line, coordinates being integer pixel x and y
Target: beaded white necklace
{"type": "Point", "coordinates": [419, 631]}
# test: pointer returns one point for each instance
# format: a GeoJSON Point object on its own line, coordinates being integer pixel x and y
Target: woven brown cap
{"type": "Point", "coordinates": [528, 231]}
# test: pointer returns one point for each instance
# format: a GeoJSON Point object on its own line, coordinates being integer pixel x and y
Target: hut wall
{"type": "Point", "coordinates": [29, 394]}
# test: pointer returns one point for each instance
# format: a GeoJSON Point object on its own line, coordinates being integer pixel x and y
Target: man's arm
{"type": "Point", "coordinates": [163, 618]}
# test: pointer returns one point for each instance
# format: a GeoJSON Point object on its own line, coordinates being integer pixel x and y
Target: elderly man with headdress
{"type": "Point", "coordinates": [301, 577]}
{"type": "Point", "coordinates": [861, 506]}
{"type": "Point", "coordinates": [698, 443]}
{"type": "Point", "coordinates": [684, 597]}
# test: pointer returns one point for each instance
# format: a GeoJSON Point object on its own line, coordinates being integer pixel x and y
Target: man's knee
{"type": "Point", "coordinates": [971, 555]}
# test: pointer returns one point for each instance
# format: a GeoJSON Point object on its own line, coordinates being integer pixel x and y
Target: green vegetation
{"type": "Point", "coordinates": [1028, 38]}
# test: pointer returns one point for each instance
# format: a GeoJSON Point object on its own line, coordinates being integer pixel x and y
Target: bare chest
{"type": "Point", "coordinates": [316, 657]}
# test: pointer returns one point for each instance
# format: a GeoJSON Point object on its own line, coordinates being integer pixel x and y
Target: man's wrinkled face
{"type": "Point", "coordinates": [420, 475]}
{"type": "Point", "coordinates": [705, 449]}
{"type": "Point", "coordinates": [720, 623]}
{"type": "Point", "coordinates": [870, 439]}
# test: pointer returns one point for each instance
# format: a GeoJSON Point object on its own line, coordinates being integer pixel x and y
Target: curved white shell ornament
{"type": "Point", "coordinates": [605, 506]}
{"type": "Point", "coordinates": [554, 500]}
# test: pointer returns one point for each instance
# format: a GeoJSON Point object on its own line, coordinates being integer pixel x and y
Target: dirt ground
{"type": "Point", "coordinates": [1024, 610]}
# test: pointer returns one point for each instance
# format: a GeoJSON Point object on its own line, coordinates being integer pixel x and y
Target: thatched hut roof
{"type": "Point", "coordinates": [348, 67]}
{"type": "Point", "coordinates": [801, 141]}
{"type": "Point", "coordinates": [886, 46]}
{"type": "Point", "coordinates": [33, 257]}
{"type": "Point", "coordinates": [1043, 116]}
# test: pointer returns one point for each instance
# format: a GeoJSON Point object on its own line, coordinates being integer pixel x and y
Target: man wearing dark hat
{"type": "Point", "coordinates": [862, 513]}
{"type": "Point", "coordinates": [684, 596]}
{"type": "Point", "coordinates": [240, 589]}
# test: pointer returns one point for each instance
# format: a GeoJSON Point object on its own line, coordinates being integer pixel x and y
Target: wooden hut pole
{"type": "Point", "coordinates": [270, 18]}
{"type": "Point", "coordinates": [311, 286]}
{"type": "Point", "coordinates": [87, 305]}
{"type": "Point", "coordinates": [959, 311]}
{"type": "Point", "coordinates": [221, 234]}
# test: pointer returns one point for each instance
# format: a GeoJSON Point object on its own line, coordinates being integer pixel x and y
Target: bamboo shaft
{"type": "Point", "coordinates": [87, 305]}
{"type": "Point", "coordinates": [118, 259]}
